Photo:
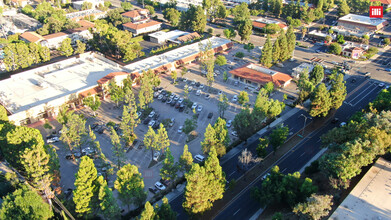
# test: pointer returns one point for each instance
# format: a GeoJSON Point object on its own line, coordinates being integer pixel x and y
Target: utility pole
{"type": "Point", "coordinates": [305, 122]}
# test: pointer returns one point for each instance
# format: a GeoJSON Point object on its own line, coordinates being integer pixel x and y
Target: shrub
{"type": "Point", "coordinates": [239, 55]}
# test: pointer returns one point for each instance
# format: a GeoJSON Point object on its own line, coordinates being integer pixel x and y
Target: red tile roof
{"type": "Point", "coordinates": [133, 26]}
{"type": "Point", "coordinates": [59, 34]}
{"type": "Point", "coordinates": [279, 79]}
{"type": "Point", "coordinates": [386, 2]}
{"type": "Point", "coordinates": [134, 13]}
{"type": "Point", "coordinates": [111, 76]}
{"type": "Point", "coordinates": [31, 36]}
{"type": "Point", "coordinates": [261, 25]}
{"type": "Point", "coordinates": [85, 23]}
{"type": "Point", "coordinates": [188, 37]}
{"type": "Point", "coordinates": [92, 91]}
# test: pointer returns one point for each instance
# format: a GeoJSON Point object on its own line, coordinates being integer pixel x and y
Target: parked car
{"type": "Point", "coordinates": [173, 103]}
{"type": "Point", "coordinates": [53, 140]}
{"type": "Point", "coordinates": [185, 80]}
{"type": "Point", "coordinates": [194, 105]}
{"type": "Point", "coordinates": [156, 155]}
{"type": "Point", "coordinates": [180, 100]}
{"type": "Point", "coordinates": [147, 120]}
{"type": "Point", "coordinates": [151, 123]}
{"type": "Point", "coordinates": [50, 136]}
{"type": "Point", "coordinates": [172, 122]}
{"type": "Point", "coordinates": [180, 129]}
{"type": "Point", "coordinates": [177, 105]}
{"type": "Point", "coordinates": [381, 85]}
{"type": "Point", "coordinates": [201, 86]}
{"type": "Point", "coordinates": [153, 190]}
{"type": "Point", "coordinates": [181, 107]}
{"type": "Point", "coordinates": [160, 97]}
{"type": "Point", "coordinates": [156, 116]}
{"type": "Point", "coordinates": [156, 125]}
{"type": "Point", "coordinates": [207, 96]}
{"type": "Point", "coordinates": [198, 92]}
{"type": "Point", "coordinates": [236, 83]}
{"type": "Point", "coordinates": [265, 176]}
{"type": "Point", "coordinates": [235, 98]}
{"type": "Point", "coordinates": [172, 96]}
{"type": "Point", "coordinates": [335, 120]}
{"type": "Point", "coordinates": [229, 123]}
{"type": "Point", "coordinates": [151, 114]}
{"type": "Point", "coordinates": [160, 186]}
{"type": "Point", "coordinates": [199, 108]}
{"type": "Point", "coordinates": [165, 182]}
{"type": "Point", "coordinates": [169, 101]}
{"type": "Point", "coordinates": [198, 84]}
{"type": "Point", "coordinates": [156, 94]}
{"type": "Point", "coordinates": [210, 115]}
{"type": "Point", "coordinates": [220, 92]}
{"type": "Point", "coordinates": [190, 88]}
{"type": "Point", "coordinates": [176, 98]}
{"type": "Point", "coordinates": [199, 158]}
{"type": "Point", "coordinates": [193, 82]}
{"type": "Point", "coordinates": [234, 133]}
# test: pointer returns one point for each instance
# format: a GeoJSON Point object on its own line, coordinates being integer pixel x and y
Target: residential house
{"type": "Point", "coordinates": [137, 15]}
{"type": "Point", "coordinates": [161, 37]}
{"type": "Point", "coordinates": [303, 67]}
{"type": "Point", "coordinates": [384, 3]}
{"type": "Point", "coordinates": [258, 76]}
{"type": "Point", "coordinates": [53, 41]}
{"type": "Point", "coordinates": [354, 53]}
{"type": "Point", "coordinates": [137, 29]}
{"type": "Point", "coordinates": [31, 37]}
{"type": "Point", "coordinates": [80, 15]}
{"type": "Point", "coordinates": [262, 22]}
{"type": "Point", "coordinates": [188, 37]}
{"type": "Point", "coordinates": [79, 4]}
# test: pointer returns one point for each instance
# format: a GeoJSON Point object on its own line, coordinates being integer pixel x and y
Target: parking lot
{"type": "Point", "coordinates": [201, 94]}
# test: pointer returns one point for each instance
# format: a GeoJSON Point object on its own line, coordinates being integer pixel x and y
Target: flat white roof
{"type": "Point", "coordinates": [318, 33]}
{"type": "Point", "coordinates": [267, 21]}
{"type": "Point", "coordinates": [370, 198]}
{"type": "Point", "coordinates": [304, 66]}
{"type": "Point", "coordinates": [362, 19]}
{"type": "Point", "coordinates": [171, 35]}
{"type": "Point", "coordinates": [173, 55]}
{"type": "Point", "coordinates": [39, 86]}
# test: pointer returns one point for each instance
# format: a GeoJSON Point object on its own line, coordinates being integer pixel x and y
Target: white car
{"type": "Point", "coordinates": [156, 155]}
{"type": "Point", "coordinates": [200, 107]}
{"type": "Point", "coordinates": [198, 92]}
{"type": "Point", "coordinates": [207, 96]}
{"type": "Point", "coordinates": [234, 133]}
{"type": "Point", "coordinates": [199, 158]}
{"type": "Point", "coordinates": [235, 98]}
{"type": "Point", "coordinates": [152, 123]}
{"type": "Point", "coordinates": [180, 100]}
{"type": "Point", "coordinates": [193, 82]}
{"type": "Point", "coordinates": [190, 88]}
{"type": "Point", "coordinates": [194, 105]}
{"type": "Point", "coordinates": [220, 92]}
{"type": "Point", "coordinates": [265, 176]}
{"type": "Point", "coordinates": [53, 140]}
{"type": "Point", "coordinates": [185, 80]}
{"type": "Point", "coordinates": [180, 129]}
{"type": "Point", "coordinates": [229, 123]}
{"type": "Point", "coordinates": [159, 186]}
{"type": "Point", "coordinates": [160, 97]}
{"type": "Point", "coordinates": [172, 96]}
{"type": "Point", "coordinates": [139, 114]}
{"type": "Point", "coordinates": [201, 86]}
{"type": "Point", "coordinates": [176, 97]}
{"type": "Point", "coordinates": [381, 85]}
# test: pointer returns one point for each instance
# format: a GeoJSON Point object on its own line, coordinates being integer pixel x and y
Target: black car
{"type": "Point", "coordinates": [156, 116]}
{"type": "Point", "coordinates": [165, 182]}
{"type": "Point", "coordinates": [335, 120]}
{"type": "Point", "coordinates": [153, 190]}
{"type": "Point", "coordinates": [198, 84]}
{"type": "Point", "coordinates": [156, 125]}
{"type": "Point", "coordinates": [173, 103]}
{"type": "Point", "coordinates": [95, 125]}
{"type": "Point", "coordinates": [177, 105]}
{"type": "Point", "coordinates": [164, 99]}
{"type": "Point", "coordinates": [147, 120]}
{"type": "Point", "coordinates": [101, 130]}
{"type": "Point", "coordinates": [50, 136]}
{"type": "Point", "coordinates": [181, 107]}
{"type": "Point", "coordinates": [210, 115]}
{"type": "Point", "coordinates": [353, 80]}
{"type": "Point", "coordinates": [69, 156]}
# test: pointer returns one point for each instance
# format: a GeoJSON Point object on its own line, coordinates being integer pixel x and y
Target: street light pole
{"type": "Point", "coordinates": [305, 122]}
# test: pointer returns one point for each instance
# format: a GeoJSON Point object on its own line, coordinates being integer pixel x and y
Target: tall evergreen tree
{"type": "Point", "coordinates": [66, 47]}
{"type": "Point", "coordinates": [150, 140]}
{"type": "Point", "coordinates": [284, 50]}
{"type": "Point", "coordinates": [130, 185]}
{"type": "Point", "coordinates": [276, 51]}
{"type": "Point", "coordinates": [162, 141]}
{"type": "Point", "coordinates": [108, 204]}
{"type": "Point", "coordinates": [291, 40]}
{"type": "Point", "coordinates": [169, 169]}
{"type": "Point", "coordinates": [80, 47]}
{"type": "Point", "coordinates": [337, 91]}
{"type": "Point", "coordinates": [245, 29]}
{"type": "Point", "coordinates": [209, 139]}
{"type": "Point", "coordinates": [267, 53]}
{"type": "Point", "coordinates": [85, 187]}
{"type": "Point", "coordinates": [223, 104]}
{"type": "Point", "coordinates": [148, 213]}
{"type": "Point", "coordinates": [129, 122]}
{"type": "Point", "coordinates": [116, 92]}
{"type": "Point", "coordinates": [73, 131]}
{"type": "Point", "coordinates": [165, 212]}
{"type": "Point", "coordinates": [186, 159]}
{"type": "Point", "coordinates": [343, 8]}
{"type": "Point", "coordinates": [217, 181]}
{"type": "Point", "coordinates": [317, 74]}
{"type": "Point", "coordinates": [118, 150]}
{"type": "Point", "coordinates": [320, 102]}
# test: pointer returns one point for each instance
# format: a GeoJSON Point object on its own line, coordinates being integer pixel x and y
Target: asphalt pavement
{"type": "Point", "coordinates": [245, 207]}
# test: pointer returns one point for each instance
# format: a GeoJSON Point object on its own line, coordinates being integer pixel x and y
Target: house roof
{"type": "Point", "coordinates": [91, 91]}
{"type": "Point", "coordinates": [351, 49]}
{"type": "Point", "coordinates": [85, 23]}
{"type": "Point", "coordinates": [31, 36]}
{"type": "Point", "coordinates": [55, 35]}
{"type": "Point", "coordinates": [135, 13]}
{"type": "Point", "coordinates": [261, 75]}
{"type": "Point", "coordinates": [188, 37]}
{"type": "Point", "coordinates": [386, 2]}
{"type": "Point", "coordinates": [261, 23]}
{"type": "Point", "coordinates": [111, 76]}
{"type": "Point", "coordinates": [133, 26]}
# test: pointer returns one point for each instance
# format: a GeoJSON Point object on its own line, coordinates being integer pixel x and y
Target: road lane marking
{"type": "Point", "coordinates": [358, 95]}
{"type": "Point", "coordinates": [232, 173]}
{"type": "Point", "coordinates": [302, 154]}
{"type": "Point", "coordinates": [283, 170]}
{"type": "Point", "coordinates": [365, 96]}
{"type": "Point", "coordinates": [236, 212]}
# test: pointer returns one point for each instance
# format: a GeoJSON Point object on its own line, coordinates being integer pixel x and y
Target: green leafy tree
{"type": "Point", "coordinates": [150, 140]}
{"type": "Point", "coordinates": [3, 114]}
{"type": "Point", "coordinates": [148, 212]}
{"type": "Point", "coordinates": [320, 102]}
{"type": "Point", "coordinates": [80, 47]}
{"type": "Point", "coordinates": [86, 6]}
{"type": "Point", "coordinates": [162, 140]}
{"type": "Point", "coordinates": [118, 150]}
{"type": "Point", "coordinates": [284, 49]}
{"type": "Point", "coordinates": [150, 9]}
{"type": "Point", "coordinates": [172, 16]}
{"type": "Point", "coordinates": [241, 13]}
{"type": "Point", "coordinates": [130, 186]}
{"type": "Point", "coordinates": [189, 126]}
{"type": "Point", "coordinates": [222, 105]}
{"type": "Point", "coordinates": [174, 76]}
{"type": "Point", "coordinates": [317, 74]}
{"type": "Point", "coordinates": [268, 107]}
{"type": "Point", "coordinates": [229, 33]}
{"type": "Point", "coordinates": [24, 203]}
{"type": "Point", "coordinates": [261, 149]}
{"type": "Point", "coordinates": [116, 92]}
{"type": "Point", "coordinates": [73, 131]}
{"type": "Point", "coordinates": [269, 87]}
{"type": "Point", "coordinates": [246, 123]}
{"type": "Point", "coordinates": [243, 98]}
{"type": "Point", "coordinates": [222, 12]}
{"type": "Point", "coordinates": [66, 47]}
{"type": "Point", "coordinates": [165, 211]}
{"type": "Point", "coordinates": [129, 122]}
{"type": "Point", "coordinates": [340, 39]}
{"type": "Point", "coordinates": [207, 61]}
{"type": "Point", "coordinates": [108, 204]}
{"type": "Point", "coordinates": [276, 51]}
{"type": "Point", "coordinates": [127, 6]}
{"type": "Point", "coordinates": [267, 54]}
{"type": "Point", "coordinates": [184, 71]}
{"type": "Point", "coordinates": [343, 8]}
{"type": "Point", "coordinates": [198, 22]}
{"type": "Point", "coordinates": [169, 169]}
{"type": "Point", "coordinates": [245, 29]}
{"type": "Point", "coordinates": [93, 102]}
{"type": "Point", "coordinates": [220, 60]}
{"type": "Point", "coordinates": [217, 181]}
{"type": "Point", "coordinates": [305, 86]}
{"type": "Point", "coordinates": [85, 187]}
{"type": "Point", "coordinates": [272, 28]}
{"type": "Point", "coordinates": [316, 206]}
{"type": "Point", "coordinates": [145, 94]}
{"type": "Point", "coordinates": [335, 48]}
{"type": "Point", "coordinates": [291, 40]}
{"type": "Point", "coordinates": [186, 159]}
{"type": "Point", "coordinates": [225, 76]}
{"type": "Point", "coordinates": [222, 136]}
{"type": "Point", "coordinates": [337, 91]}
{"type": "Point", "coordinates": [209, 139]}
{"type": "Point", "coordinates": [278, 137]}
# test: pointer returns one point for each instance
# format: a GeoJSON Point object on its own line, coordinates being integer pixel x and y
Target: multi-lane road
{"type": "Point", "coordinates": [243, 207]}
